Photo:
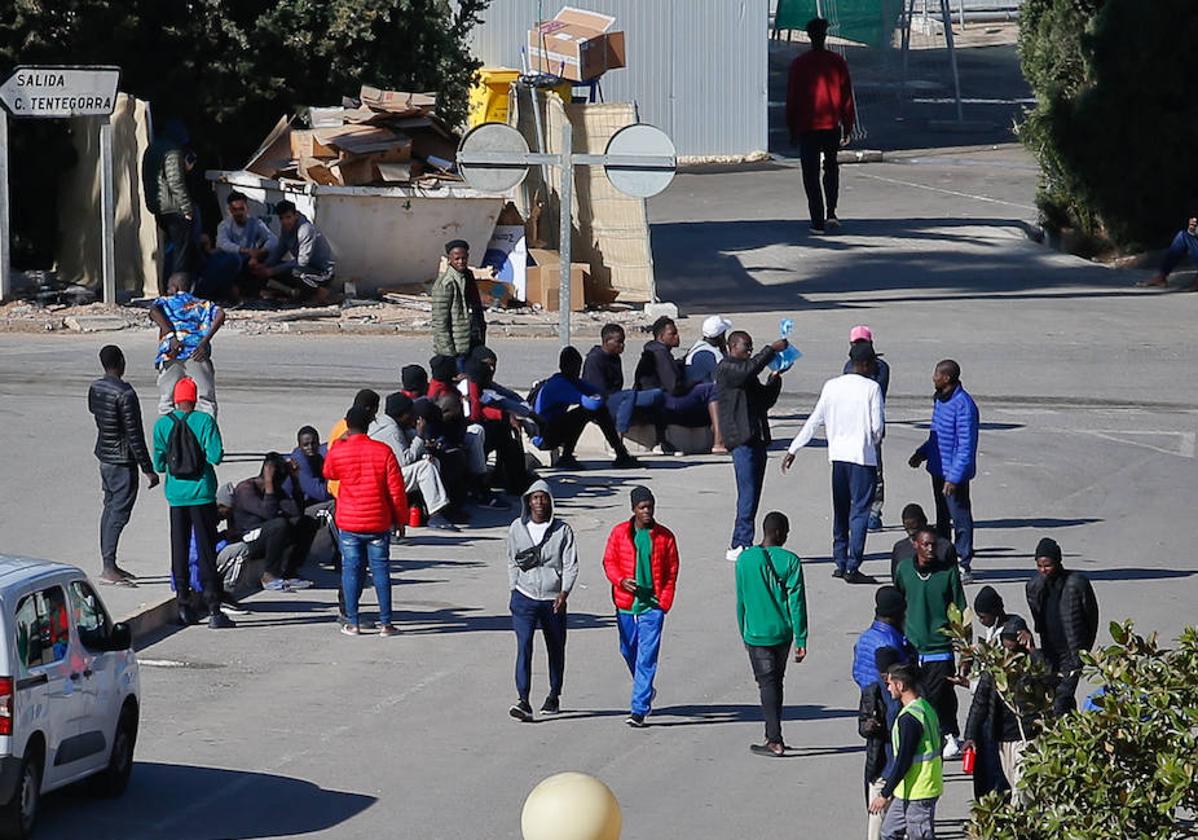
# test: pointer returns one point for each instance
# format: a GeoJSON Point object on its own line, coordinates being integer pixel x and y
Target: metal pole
{"type": "Point", "coordinates": [565, 202]}
{"type": "Point", "coordinates": [5, 255]}
{"type": "Point", "coordinates": [946, 15]}
{"type": "Point", "coordinates": [107, 213]}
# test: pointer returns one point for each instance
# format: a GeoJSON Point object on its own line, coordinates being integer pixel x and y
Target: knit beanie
{"type": "Point", "coordinates": [889, 602]}
{"type": "Point", "coordinates": [1048, 547]}
{"type": "Point", "coordinates": [988, 601]}
{"type": "Point", "coordinates": [641, 494]}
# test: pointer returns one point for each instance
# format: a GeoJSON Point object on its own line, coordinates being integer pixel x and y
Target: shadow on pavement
{"type": "Point", "coordinates": [1035, 522]}
{"type": "Point", "coordinates": [186, 802]}
{"type": "Point", "coordinates": [461, 620]}
{"type": "Point", "coordinates": [695, 715]}
{"type": "Point", "coordinates": [1130, 573]}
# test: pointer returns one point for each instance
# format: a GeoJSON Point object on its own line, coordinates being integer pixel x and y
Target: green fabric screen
{"type": "Point", "coordinates": [869, 22]}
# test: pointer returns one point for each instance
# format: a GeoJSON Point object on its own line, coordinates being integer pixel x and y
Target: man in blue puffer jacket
{"type": "Point", "coordinates": [951, 453]}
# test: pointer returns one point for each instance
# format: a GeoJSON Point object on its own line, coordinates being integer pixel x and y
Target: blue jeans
{"type": "Point", "coordinates": [748, 460]}
{"type": "Point", "coordinates": [622, 405]}
{"type": "Point", "coordinates": [640, 642]}
{"type": "Point", "coordinates": [357, 550]}
{"type": "Point", "coordinates": [1181, 245]}
{"type": "Point", "coordinates": [527, 614]}
{"type": "Point", "coordinates": [955, 512]}
{"type": "Point", "coordinates": [852, 495]}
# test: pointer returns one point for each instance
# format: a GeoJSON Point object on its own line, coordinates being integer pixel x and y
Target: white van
{"type": "Point", "coordinates": [69, 689]}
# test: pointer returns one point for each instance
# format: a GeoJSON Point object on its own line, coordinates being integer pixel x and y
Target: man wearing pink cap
{"type": "Point", "coordinates": [881, 375]}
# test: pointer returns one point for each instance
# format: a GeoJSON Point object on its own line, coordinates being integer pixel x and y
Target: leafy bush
{"type": "Point", "coordinates": [1116, 118]}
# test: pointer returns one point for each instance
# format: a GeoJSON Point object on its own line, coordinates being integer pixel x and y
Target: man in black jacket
{"type": "Point", "coordinates": [744, 407]}
{"type": "Point", "coordinates": [121, 450]}
{"type": "Point", "coordinates": [682, 402]}
{"type": "Point", "coordinates": [268, 516]}
{"type": "Point", "coordinates": [1065, 612]}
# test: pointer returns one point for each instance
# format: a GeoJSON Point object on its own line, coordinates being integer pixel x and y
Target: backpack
{"type": "Point", "coordinates": [184, 456]}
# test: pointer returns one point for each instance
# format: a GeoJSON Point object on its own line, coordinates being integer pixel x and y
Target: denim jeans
{"type": "Point", "coordinates": [119, 482]}
{"type": "Point", "coordinates": [357, 550]}
{"type": "Point", "coordinates": [748, 461]}
{"type": "Point", "coordinates": [955, 512]}
{"type": "Point", "coordinates": [852, 494]}
{"type": "Point", "coordinates": [640, 643]}
{"type": "Point", "coordinates": [1181, 245]}
{"type": "Point", "coordinates": [769, 669]}
{"type": "Point", "coordinates": [622, 405]}
{"type": "Point", "coordinates": [527, 615]}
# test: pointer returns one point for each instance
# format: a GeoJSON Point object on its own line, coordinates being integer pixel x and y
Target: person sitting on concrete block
{"type": "Point", "coordinates": [682, 403]}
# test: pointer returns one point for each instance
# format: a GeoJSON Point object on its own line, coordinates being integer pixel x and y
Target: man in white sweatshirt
{"type": "Point", "coordinates": [850, 408]}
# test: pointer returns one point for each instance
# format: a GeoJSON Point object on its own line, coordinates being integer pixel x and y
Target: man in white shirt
{"type": "Point", "coordinates": [851, 410]}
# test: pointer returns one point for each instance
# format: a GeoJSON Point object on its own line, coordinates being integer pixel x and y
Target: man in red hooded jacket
{"type": "Point", "coordinates": [370, 502]}
{"type": "Point", "coordinates": [641, 561]}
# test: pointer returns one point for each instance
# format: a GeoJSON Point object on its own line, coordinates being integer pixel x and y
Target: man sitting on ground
{"type": "Point", "coordinates": [1183, 244]}
{"type": "Point", "coordinates": [246, 237]}
{"type": "Point", "coordinates": [308, 458]}
{"type": "Point", "coordinates": [405, 433]}
{"type": "Point", "coordinates": [414, 379]}
{"type": "Point", "coordinates": [273, 525]}
{"type": "Point", "coordinates": [301, 263]}
{"type": "Point", "coordinates": [497, 413]}
{"type": "Point", "coordinates": [566, 403]}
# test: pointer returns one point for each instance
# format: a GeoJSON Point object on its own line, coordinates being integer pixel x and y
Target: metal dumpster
{"type": "Point", "coordinates": [381, 236]}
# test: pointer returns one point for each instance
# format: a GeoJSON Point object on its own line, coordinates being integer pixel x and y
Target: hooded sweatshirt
{"type": "Point", "coordinates": [559, 558]}
{"type": "Point", "coordinates": [309, 250]}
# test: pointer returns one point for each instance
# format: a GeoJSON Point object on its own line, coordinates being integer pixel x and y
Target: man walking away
{"type": "Point", "coordinates": [1065, 614]}
{"type": "Point", "coordinates": [121, 451]}
{"type": "Point", "coordinates": [913, 519]}
{"type": "Point", "coordinates": [820, 114]}
{"type": "Point", "coordinates": [862, 334]}
{"type": "Point", "coordinates": [951, 452]}
{"type": "Point", "coordinates": [743, 410]}
{"type": "Point", "coordinates": [164, 183]}
{"type": "Point", "coordinates": [187, 446]}
{"type": "Point", "coordinates": [850, 408]}
{"type": "Point", "coordinates": [771, 612]}
{"type": "Point", "coordinates": [458, 321]}
{"type": "Point", "coordinates": [929, 587]}
{"type": "Point", "coordinates": [915, 777]}
{"type": "Point", "coordinates": [542, 565]}
{"type": "Point", "coordinates": [641, 563]}
{"type": "Point", "coordinates": [186, 325]}
{"type": "Point", "coordinates": [370, 502]}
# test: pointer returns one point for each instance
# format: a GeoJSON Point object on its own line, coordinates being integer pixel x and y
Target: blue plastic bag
{"type": "Point", "coordinates": [783, 361]}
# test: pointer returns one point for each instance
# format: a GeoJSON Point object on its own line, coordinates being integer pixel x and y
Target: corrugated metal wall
{"type": "Point", "coordinates": [696, 68]}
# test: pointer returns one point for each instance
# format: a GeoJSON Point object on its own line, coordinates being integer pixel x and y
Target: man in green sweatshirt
{"type": "Point", "coordinates": [771, 611]}
{"type": "Point", "coordinates": [929, 586]}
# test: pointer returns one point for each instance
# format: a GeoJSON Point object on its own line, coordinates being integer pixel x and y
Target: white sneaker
{"type": "Point", "coordinates": [732, 554]}
{"type": "Point", "coordinates": [952, 748]}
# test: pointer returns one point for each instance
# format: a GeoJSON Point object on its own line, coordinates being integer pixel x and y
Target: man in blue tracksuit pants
{"type": "Point", "coordinates": [951, 453]}
{"type": "Point", "coordinates": [1184, 244]}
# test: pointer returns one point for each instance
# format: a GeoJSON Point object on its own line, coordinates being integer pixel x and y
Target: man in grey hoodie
{"type": "Point", "coordinates": [310, 268]}
{"type": "Point", "coordinates": [542, 565]}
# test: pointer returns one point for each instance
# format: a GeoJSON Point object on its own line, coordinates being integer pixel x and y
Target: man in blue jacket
{"type": "Point", "coordinates": [566, 402]}
{"type": "Point", "coordinates": [951, 453]}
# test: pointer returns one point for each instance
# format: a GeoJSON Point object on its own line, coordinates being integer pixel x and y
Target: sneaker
{"type": "Point", "coordinates": [440, 522]}
{"type": "Point", "coordinates": [231, 607]}
{"type": "Point", "coordinates": [521, 711]}
{"type": "Point", "coordinates": [859, 577]}
{"type": "Point", "coordinates": [625, 462]}
{"type": "Point", "coordinates": [732, 554]}
{"type": "Point", "coordinates": [875, 522]}
{"type": "Point", "coordinates": [838, 572]}
{"type": "Point", "coordinates": [818, 230]}
{"type": "Point", "coordinates": [832, 223]}
{"type": "Point", "coordinates": [636, 721]}
{"type": "Point", "coordinates": [952, 748]}
{"type": "Point", "coordinates": [388, 630]}
{"type": "Point", "coordinates": [296, 584]}
{"type": "Point", "coordinates": [187, 616]}
{"type": "Point", "coordinates": [966, 574]}
{"type": "Point", "coordinates": [568, 462]}
{"type": "Point", "coordinates": [551, 706]}
{"type": "Point", "coordinates": [350, 630]}
{"type": "Point", "coordinates": [219, 621]}
{"type": "Point", "coordinates": [273, 584]}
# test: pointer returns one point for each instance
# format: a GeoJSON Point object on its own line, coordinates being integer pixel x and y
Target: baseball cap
{"type": "Point", "coordinates": [861, 333]}
{"type": "Point", "coordinates": [185, 391]}
{"type": "Point", "coordinates": [716, 325]}
{"type": "Point", "coordinates": [862, 352]}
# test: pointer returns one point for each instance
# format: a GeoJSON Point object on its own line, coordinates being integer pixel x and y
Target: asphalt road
{"type": "Point", "coordinates": [284, 728]}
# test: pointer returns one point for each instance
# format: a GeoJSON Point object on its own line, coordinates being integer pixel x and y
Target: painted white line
{"type": "Point", "coordinates": [1185, 443]}
{"type": "Point", "coordinates": [946, 100]}
{"type": "Point", "coordinates": [984, 198]}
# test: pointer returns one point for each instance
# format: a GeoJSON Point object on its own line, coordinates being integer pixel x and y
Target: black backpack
{"type": "Point", "coordinates": [184, 456]}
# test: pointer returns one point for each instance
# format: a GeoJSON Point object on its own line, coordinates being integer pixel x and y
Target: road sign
{"type": "Point", "coordinates": [61, 92]}
{"type": "Point", "coordinates": [639, 161]}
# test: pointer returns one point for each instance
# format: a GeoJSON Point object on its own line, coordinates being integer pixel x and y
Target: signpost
{"type": "Point", "coordinates": [639, 161]}
{"type": "Point", "coordinates": [54, 92]}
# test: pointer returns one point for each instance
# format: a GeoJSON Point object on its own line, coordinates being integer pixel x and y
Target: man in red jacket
{"type": "Point", "coordinates": [370, 502]}
{"type": "Point", "coordinates": [820, 114]}
{"type": "Point", "coordinates": [641, 561]}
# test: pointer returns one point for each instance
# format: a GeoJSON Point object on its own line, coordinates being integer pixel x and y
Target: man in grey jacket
{"type": "Point", "coordinates": [301, 262]}
{"type": "Point", "coordinates": [542, 565]}
{"type": "Point", "coordinates": [405, 434]}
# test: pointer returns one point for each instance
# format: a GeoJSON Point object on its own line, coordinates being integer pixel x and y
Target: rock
{"type": "Point", "coordinates": [653, 311]}
{"type": "Point", "coordinates": [95, 323]}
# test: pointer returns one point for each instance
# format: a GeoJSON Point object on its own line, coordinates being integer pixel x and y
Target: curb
{"type": "Point", "coordinates": [148, 623]}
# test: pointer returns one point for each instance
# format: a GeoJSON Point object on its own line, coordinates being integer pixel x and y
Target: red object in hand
{"type": "Point", "coordinates": [415, 520]}
{"type": "Point", "coordinates": [968, 759]}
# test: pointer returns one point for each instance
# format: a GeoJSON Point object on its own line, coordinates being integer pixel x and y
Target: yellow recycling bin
{"type": "Point", "coordinates": [491, 94]}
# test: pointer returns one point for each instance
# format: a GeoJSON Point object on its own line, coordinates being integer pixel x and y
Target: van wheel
{"type": "Point", "coordinates": [18, 814]}
{"type": "Point", "coordinates": [114, 778]}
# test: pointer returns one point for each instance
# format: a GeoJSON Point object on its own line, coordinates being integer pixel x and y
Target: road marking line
{"type": "Point", "coordinates": [1185, 448]}
{"type": "Point", "coordinates": [941, 190]}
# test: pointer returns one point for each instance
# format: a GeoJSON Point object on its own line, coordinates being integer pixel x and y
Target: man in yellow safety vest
{"type": "Point", "coordinates": [914, 779]}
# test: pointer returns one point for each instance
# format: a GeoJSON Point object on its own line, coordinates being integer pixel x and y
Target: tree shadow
{"type": "Point", "coordinates": [186, 802]}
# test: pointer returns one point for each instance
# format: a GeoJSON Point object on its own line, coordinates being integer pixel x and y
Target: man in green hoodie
{"type": "Point", "coordinates": [191, 494]}
{"type": "Point", "coordinates": [771, 611]}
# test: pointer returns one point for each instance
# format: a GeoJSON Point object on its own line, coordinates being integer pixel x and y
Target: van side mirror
{"type": "Point", "coordinates": [120, 637]}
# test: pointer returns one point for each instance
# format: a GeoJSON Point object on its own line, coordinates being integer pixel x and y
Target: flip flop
{"type": "Point", "coordinates": [125, 582]}
{"type": "Point", "coordinates": [763, 750]}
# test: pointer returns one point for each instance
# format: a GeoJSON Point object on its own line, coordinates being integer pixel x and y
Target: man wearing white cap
{"type": "Point", "coordinates": [707, 353]}
{"type": "Point", "coordinates": [858, 335]}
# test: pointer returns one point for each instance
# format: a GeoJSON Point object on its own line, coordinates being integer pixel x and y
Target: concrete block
{"type": "Point", "coordinates": [95, 323]}
{"type": "Point", "coordinates": [653, 311]}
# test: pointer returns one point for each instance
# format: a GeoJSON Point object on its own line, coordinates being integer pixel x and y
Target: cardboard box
{"type": "Point", "coordinates": [304, 144]}
{"type": "Point", "coordinates": [577, 45]}
{"type": "Point", "coordinates": [543, 281]}
{"type": "Point", "coordinates": [365, 140]}
{"type": "Point", "coordinates": [397, 101]}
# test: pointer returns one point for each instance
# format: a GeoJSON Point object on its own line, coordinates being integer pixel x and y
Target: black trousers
{"type": "Point", "coordinates": [285, 544]}
{"type": "Point", "coordinates": [201, 518]}
{"type": "Point", "coordinates": [814, 145]}
{"type": "Point", "coordinates": [565, 431]}
{"type": "Point", "coordinates": [119, 482]}
{"type": "Point", "coordinates": [1065, 698]}
{"type": "Point", "coordinates": [941, 694]}
{"type": "Point", "coordinates": [769, 669]}
{"type": "Point", "coordinates": [183, 256]}
{"type": "Point", "coordinates": [500, 438]}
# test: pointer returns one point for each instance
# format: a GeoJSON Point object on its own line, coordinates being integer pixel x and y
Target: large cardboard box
{"type": "Point", "coordinates": [577, 45]}
{"type": "Point", "coordinates": [543, 281]}
{"type": "Point", "coordinates": [304, 144]}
